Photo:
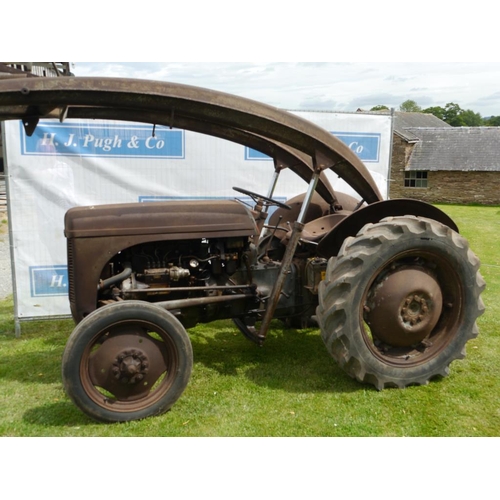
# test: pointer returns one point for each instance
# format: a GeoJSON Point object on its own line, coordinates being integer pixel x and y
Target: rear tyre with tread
{"type": "Point", "coordinates": [400, 301]}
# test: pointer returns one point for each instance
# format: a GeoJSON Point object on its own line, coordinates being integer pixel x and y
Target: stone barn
{"type": "Point", "coordinates": [444, 164]}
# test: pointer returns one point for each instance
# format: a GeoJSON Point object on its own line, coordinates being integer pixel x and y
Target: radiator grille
{"type": "Point", "coordinates": [71, 270]}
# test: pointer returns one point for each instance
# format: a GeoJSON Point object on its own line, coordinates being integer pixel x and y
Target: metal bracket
{"type": "Point", "coordinates": [30, 125]}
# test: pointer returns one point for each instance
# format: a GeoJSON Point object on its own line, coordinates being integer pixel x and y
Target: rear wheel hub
{"type": "Point", "coordinates": [403, 308]}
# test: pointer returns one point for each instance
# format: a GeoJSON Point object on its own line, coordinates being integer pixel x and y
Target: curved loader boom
{"type": "Point", "coordinates": [193, 108]}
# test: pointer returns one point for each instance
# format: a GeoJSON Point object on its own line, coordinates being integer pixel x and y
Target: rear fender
{"type": "Point", "coordinates": [331, 243]}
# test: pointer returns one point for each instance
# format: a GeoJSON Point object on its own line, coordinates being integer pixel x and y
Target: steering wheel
{"type": "Point", "coordinates": [255, 197]}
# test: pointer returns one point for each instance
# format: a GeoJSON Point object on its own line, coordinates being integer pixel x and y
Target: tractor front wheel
{"type": "Point", "coordinates": [127, 361]}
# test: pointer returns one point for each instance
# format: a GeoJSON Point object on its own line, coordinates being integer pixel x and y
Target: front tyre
{"type": "Point", "coordinates": [400, 302]}
{"type": "Point", "coordinates": [127, 361]}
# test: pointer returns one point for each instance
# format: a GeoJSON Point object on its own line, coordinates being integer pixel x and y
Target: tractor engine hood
{"type": "Point", "coordinates": [184, 219]}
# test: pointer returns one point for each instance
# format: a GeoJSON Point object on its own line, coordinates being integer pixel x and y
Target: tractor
{"type": "Point", "coordinates": [393, 287]}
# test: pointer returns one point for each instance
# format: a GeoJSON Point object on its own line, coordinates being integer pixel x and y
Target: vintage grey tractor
{"type": "Point", "coordinates": [392, 285]}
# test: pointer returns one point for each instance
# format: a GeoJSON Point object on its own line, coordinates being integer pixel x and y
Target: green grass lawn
{"type": "Point", "coordinates": [289, 387]}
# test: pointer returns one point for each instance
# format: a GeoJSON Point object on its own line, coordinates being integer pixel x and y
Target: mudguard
{"type": "Point", "coordinates": [331, 243]}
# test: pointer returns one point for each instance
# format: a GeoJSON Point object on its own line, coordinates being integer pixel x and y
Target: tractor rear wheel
{"type": "Point", "coordinates": [400, 301]}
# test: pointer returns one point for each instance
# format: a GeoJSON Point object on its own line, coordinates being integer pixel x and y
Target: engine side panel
{"type": "Point", "coordinates": [96, 234]}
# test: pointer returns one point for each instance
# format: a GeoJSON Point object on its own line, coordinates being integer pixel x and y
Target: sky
{"type": "Point", "coordinates": [327, 86]}
{"type": "Point", "coordinates": [377, 52]}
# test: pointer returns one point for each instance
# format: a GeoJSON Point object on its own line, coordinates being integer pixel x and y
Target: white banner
{"type": "Point", "coordinates": [369, 136]}
{"type": "Point", "coordinates": [91, 162]}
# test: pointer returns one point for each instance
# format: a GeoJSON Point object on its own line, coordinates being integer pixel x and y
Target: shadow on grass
{"type": "Point", "coordinates": [40, 367]}
{"type": "Point", "coordinates": [36, 356]}
{"type": "Point", "coordinates": [291, 360]}
{"type": "Point", "coordinates": [61, 414]}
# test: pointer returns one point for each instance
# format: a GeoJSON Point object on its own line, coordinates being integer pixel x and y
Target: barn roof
{"type": "Point", "coordinates": [456, 148]}
{"type": "Point", "coordinates": [405, 122]}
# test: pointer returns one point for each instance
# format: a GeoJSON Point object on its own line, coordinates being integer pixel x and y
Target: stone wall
{"type": "Point", "coordinates": [401, 151]}
{"type": "Point", "coordinates": [443, 186]}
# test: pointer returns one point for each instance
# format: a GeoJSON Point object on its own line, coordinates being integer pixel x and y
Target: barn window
{"type": "Point", "coordinates": [416, 179]}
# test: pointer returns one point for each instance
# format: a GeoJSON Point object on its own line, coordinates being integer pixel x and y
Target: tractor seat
{"type": "Point", "coordinates": [315, 230]}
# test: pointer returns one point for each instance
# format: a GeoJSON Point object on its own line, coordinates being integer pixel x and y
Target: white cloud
{"type": "Point", "coordinates": [328, 85]}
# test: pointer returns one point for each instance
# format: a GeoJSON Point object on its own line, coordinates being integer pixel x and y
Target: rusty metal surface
{"type": "Point", "coordinates": [408, 299]}
{"type": "Point", "coordinates": [96, 233]}
{"type": "Point", "coordinates": [169, 305]}
{"type": "Point", "coordinates": [126, 362]}
{"type": "Point", "coordinates": [122, 370]}
{"type": "Point", "coordinates": [172, 104]}
{"type": "Point", "coordinates": [331, 243]}
{"type": "Point", "coordinates": [180, 218]}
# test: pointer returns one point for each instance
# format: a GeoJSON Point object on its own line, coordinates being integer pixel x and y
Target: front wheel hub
{"type": "Point", "coordinates": [403, 308]}
{"type": "Point", "coordinates": [130, 366]}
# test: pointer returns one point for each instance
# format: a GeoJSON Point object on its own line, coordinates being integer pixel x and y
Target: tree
{"type": "Point", "coordinates": [471, 119]}
{"type": "Point", "coordinates": [379, 107]}
{"type": "Point", "coordinates": [410, 106]}
{"type": "Point", "coordinates": [454, 115]}
{"type": "Point", "coordinates": [492, 121]}
{"type": "Point", "coordinates": [436, 111]}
